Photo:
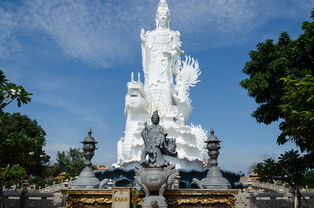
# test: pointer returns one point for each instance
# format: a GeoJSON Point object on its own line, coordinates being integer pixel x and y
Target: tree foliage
{"type": "Point", "coordinates": [22, 141]}
{"type": "Point", "coordinates": [309, 179]}
{"type": "Point", "coordinates": [291, 168]}
{"type": "Point", "coordinates": [10, 92]}
{"type": "Point", "coordinates": [12, 173]}
{"type": "Point", "coordinates": [71, 162]}
{"type": "Point", "coordinates": [281, 81]}
{"type": "Point", "coordinates": [298, 109]}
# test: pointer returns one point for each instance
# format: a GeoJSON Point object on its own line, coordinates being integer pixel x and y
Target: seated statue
{"type": "Point", "coordinates": [156, 144]}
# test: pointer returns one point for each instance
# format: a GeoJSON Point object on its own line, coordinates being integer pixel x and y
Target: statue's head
{"type": "Point", "coordinates": [163, 14]}
{"type": "Point", "coordinates": [155, 118]}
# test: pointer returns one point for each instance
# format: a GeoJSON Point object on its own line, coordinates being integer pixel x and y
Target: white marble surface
{"type": "Point", "coordinates": [167, 80]}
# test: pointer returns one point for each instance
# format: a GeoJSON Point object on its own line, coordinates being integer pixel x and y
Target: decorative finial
{"type": "Point", "coordinates": [212, 136]}
{"type": "Point", "coordinates": [132, 77]}
{"type": "Point", "coordinates": [89, 137]}
{"type": "Point", "coordinates": [138, 77]}
{"type": "Point", "coordinates": [212, 131]}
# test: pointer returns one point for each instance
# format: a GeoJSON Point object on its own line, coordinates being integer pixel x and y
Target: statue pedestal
{"type": "Point", "coordinates": [183, 198]}
{"type": "Point", "coordinates": [213, 180]}
{"type": "Point", "coordinates": [156, 180]}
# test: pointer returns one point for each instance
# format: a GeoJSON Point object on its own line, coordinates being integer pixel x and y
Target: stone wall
{"type": "Point", "coordinates": [273, 200]}
{"type": "Point", "coordinates": [33, 200]}
{"type": "Point", "coordinates": [183, 198]}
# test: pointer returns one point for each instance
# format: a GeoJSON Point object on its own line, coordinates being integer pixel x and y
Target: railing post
{"type": "Point", "coordinates": [44, 202]}
{"type": "Point", "coordinates": [252, 200]}
{"type": "Point", "coordinates": [23, 198]}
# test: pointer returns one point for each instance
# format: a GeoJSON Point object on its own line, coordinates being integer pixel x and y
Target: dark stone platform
{"type": "Point", "coordinates": [122, 177]}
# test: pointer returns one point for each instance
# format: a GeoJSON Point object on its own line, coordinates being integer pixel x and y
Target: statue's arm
{"type": "Point", "coordinates": [143, 46]}
{"type": "Point", "coordinates": [143, 38]}
{"type": "Point", "coordinates": [162, 131]}
{"type": "Point", "coordinates": [176, 51]}
{"type": "Point", "coordinates": [144, 132]}
{"type": "Point", "coordinates": [178, 43]}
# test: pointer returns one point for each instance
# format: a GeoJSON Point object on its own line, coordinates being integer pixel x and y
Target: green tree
{"type": "Point", "coordinates": [298, 109]}
{"type": "Point", "coordinates": [20, 144]}
{"type": "Point", "coordinates": [10, 92]}
{"type": "Point", "coordinates": [71, 162]}
{"type": "Point", "coordinates": [11, 174]}
{"type": "Point", "coordinates": [309, 179]}
{"type": "Point", "coordinates": [7, 174]}
{"type": "Point", "coordinates": [281, 81]}
{"type": "Point", "coordinates": [22, 141]}
{"type": "Point", "coordinates": [290, 168]}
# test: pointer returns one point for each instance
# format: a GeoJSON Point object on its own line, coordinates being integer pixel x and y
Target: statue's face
{"type": "Point", "coordinates": [155, 119]}
{"type": "Point", "coordinates": [163, 17]}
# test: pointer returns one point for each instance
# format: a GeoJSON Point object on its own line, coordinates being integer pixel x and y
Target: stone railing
{"type": "Point", "coordinates": [270, 187]}
{"type": "Point", "coordinates": [32, 200]}
{"type": "Point", "coordinates": [55, 187]}
{"type": "Point", "coordinates": [273, 200]}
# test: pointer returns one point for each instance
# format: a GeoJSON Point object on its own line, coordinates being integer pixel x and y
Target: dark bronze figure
{"type": "Point", "coordinates": [156, 144]}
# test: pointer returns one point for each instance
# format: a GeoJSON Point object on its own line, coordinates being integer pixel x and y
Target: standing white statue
{"type": "Point", "coordinates": [161, 50]}
{"type": "Point", "coordinates": [160, 53]}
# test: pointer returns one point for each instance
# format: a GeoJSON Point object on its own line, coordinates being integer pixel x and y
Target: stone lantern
{"type": "Point", "coordinates": [214, 178]}
{"type": "Point", "coordinates": [89, 146]}
{"type": "Point", "coordinates": [213, 147]}
{"type": "Point", "coordinates": [87, 178]}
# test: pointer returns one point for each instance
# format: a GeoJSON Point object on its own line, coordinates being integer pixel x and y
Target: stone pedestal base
{"type": "Point", "coordinates": [201, 198]}
{"type": "Point", "coordinates": [154, 201]}
{"type": "Point", "coordinates": [213, 180]}
{"type": "Point", "coordinates": [183, 198]}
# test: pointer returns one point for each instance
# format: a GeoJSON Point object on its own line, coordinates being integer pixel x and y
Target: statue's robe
{"type": "Point", "coordinates": [158, 67]}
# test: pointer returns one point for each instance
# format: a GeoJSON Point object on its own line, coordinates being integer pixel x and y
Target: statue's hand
{"type": "Point", "coordinates": [180, 51]}
{"type": "Point", "coordinates": [170, 53]}
{"type": "Point", "coordinates": [167, 53]}
{"type": "Point", "coordinates": [143, 34]}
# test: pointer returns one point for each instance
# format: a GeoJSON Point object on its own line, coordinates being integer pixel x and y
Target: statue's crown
{"type": "Point", "coordinates": [156, 113]}
{"type": "Point", "coordinates": [163, 5]}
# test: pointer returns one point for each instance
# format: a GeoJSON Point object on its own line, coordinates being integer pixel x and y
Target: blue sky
{"type": "Point", "coordinates": [77, 56]}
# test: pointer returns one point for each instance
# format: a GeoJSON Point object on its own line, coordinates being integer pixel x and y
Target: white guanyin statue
{"type": "Point", "coordinates": [167, 81]}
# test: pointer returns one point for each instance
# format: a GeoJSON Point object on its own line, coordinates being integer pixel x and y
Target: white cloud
{"type": "Point", "coordinates": [102, 32]}
{"type": "Point", "coordinates": [87, 114]}
{"type": "Point", "coordinates": [63, 92]}
{"type": "Point", "coordinates": [8, 44]}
